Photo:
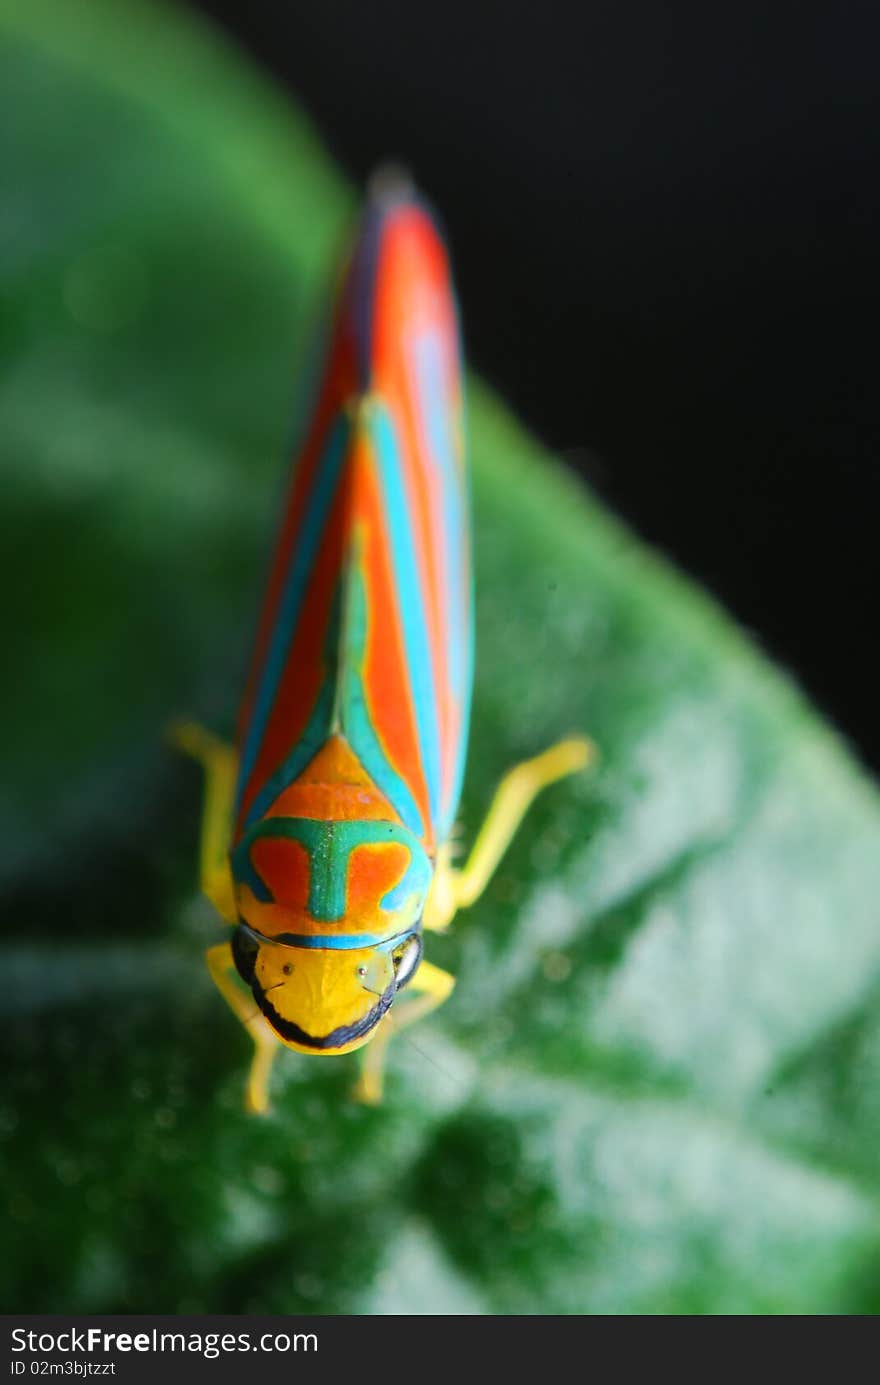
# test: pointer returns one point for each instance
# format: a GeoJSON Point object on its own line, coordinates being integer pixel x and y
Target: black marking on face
{"type": "Point", "coordinates": [344, 1034]}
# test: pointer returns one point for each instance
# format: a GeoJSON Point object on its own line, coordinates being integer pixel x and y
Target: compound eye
{"type": "Point", "coordinates": [244, 954]}
{"type": "Point", "coordinates": [406, 959]}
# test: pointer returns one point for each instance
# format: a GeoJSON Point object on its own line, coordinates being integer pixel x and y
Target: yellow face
{"type": "Point", "coordinates": [323, 1000]}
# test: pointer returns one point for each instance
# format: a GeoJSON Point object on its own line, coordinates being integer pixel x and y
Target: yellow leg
{"type": "Point", "coordinates": [221, 767]}
{"type": "Point", "coordinates": [455, 889]}
{"type": "Point", "coordinates": [437, 986]}
{"type": "Point", "coordinates": [266, 1045]}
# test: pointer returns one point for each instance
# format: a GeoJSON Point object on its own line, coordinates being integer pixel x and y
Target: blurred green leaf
{"type": "Point", "coordinates": [657, 1087]}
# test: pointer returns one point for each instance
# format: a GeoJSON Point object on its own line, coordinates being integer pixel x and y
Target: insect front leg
{"type": "Point", "coordinates": [436, 986]}
{"type": "Point", "coordinates": [266, 1045]}
{"type": "Point", "coordinates": [220, 764]}
{"type": "Point", "coordinates": [456, 888]}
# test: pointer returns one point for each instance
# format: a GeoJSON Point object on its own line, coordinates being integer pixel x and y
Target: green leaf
{"type": "Point", "coordinates": [657, 1086]}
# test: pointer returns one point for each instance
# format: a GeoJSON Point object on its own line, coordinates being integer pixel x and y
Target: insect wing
{"type": "Point", "coordinates": [366, 625]}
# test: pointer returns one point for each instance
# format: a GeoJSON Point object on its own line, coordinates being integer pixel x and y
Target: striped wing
{"type": "Point", "coordinates": [366, 630]}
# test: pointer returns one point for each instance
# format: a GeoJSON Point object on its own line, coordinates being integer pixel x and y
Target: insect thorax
{"type": "Point", "coordinates": [366, 877]}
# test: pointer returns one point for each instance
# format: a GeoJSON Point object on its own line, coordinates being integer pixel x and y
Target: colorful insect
{"type": "Point", "coordinates": [326, 830]}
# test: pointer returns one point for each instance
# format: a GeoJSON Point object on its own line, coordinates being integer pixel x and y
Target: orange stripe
{"type": "Point", "coordinates": [414, 295]}
{"type": "Point", "coordinates": [304, 667]}
{"type": "Point", "coordinates": [386, 680]}
{"type": "Point", "coordinates": [336, 388]}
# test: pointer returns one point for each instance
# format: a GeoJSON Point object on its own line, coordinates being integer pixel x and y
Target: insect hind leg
{"type": "Point", "coordinates": [456, 888]}
{"type": "Point", "coordinates": [220, 764]}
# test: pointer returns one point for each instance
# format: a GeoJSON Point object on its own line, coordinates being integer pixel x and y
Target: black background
{"type": "Point", "coordinates": [664, 226]}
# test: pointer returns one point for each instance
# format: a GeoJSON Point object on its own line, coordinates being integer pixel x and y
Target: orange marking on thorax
{"type": "Point", "coordinates": [373, 872]}
{"type": "Point", "coordinates": [284, 865]}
